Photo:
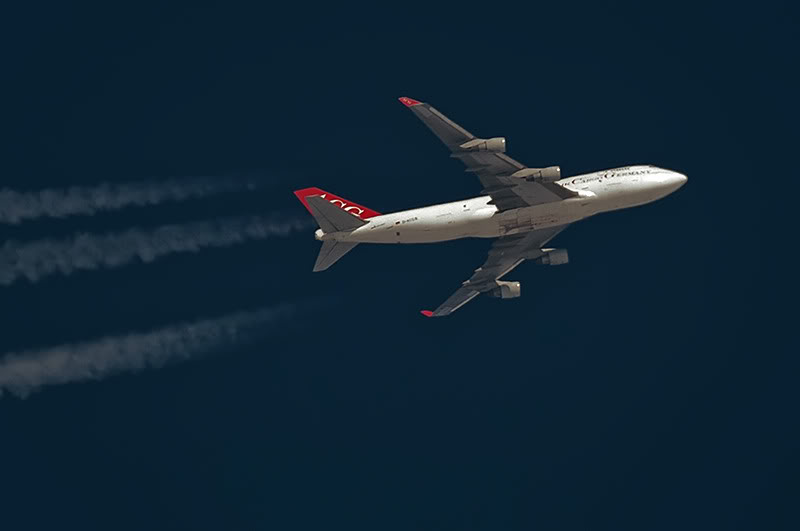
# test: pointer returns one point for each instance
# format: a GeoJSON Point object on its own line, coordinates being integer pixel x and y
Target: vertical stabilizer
{"type": "Point", "coordinates": [330, 217]}
{"type": "Point", "coordinates": [345, 204]}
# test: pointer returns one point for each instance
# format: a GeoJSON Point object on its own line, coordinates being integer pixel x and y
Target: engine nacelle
{"type": "Point", "coordinates": [553, 257]}
{"type": "Point", "coordinates": [539, 175]}
{"type": "Point", "coordinates": [495, 145]}
{"type": "Point", "coordinates": [506, 290]}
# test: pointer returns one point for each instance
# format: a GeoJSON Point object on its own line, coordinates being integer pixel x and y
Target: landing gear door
{"type": "Point", "coordinates": [513, 221]}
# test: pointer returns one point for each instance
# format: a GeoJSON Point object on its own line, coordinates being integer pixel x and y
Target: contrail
{"type": "Point", "coordinates": [38, 259]}
{"type": "Point", "coordinates": [22, 373]}
{"type": "Point", "coordinates": [16, 207]}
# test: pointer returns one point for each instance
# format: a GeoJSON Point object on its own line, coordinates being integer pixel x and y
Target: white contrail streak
{"type": "Point", "coordinates": [22, 373]}
{"type": "Point", "coordinates": [41, 258]}
{"type": "Point", "coordinates": [16, 207]}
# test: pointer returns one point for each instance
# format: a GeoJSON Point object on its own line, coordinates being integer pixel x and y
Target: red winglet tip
{"type": "Point", "coordinates": [426, 313]}
{"type": "Point", "coordinates": [408, 102]}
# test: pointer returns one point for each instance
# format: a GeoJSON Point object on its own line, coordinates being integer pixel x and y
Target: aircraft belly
{"type": "Point", "coordinates": [436, 224]}
{"type": "Point", "coordinates": [444, 229]}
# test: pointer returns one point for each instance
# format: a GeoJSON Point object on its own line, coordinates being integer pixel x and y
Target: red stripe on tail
{"type": "Point", "coordinates": [348, 206]}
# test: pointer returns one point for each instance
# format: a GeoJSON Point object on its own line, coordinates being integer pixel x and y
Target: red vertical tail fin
{"type": "Point", "coordinates": [348, 206]}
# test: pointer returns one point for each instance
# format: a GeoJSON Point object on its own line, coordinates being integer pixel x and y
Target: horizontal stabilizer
{"type": "Point", "coordinates": [330, 217]}
{"type": "Point", "coordinates": [331, 252]}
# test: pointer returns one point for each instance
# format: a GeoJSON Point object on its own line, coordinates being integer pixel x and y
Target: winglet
{"type": "Point", "coordinates": [426, 313]}
{"type": "Point", "coordinates": [408, 102]}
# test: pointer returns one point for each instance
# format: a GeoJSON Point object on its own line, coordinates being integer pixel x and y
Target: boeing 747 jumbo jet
{"type": "Point", "coordinates": [524, 208]}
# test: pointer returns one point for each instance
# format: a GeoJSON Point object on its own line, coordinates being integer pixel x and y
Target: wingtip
{"type": "Point", "coordinates": [409, 102]}
{"type": "Point", "coordinates": [426, 313]}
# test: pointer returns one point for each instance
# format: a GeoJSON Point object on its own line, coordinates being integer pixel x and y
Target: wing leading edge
{"type": "Point", "coordinates": [506, 253]}
{"type": "Point", "coordinates": [494, 169]}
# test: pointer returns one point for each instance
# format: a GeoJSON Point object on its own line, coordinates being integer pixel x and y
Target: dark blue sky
{"type": "Point", "coordinates": [646, 385]}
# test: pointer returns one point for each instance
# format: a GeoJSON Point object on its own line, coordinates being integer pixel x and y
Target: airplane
{"type": "Point", "coordinates": [523, 208]}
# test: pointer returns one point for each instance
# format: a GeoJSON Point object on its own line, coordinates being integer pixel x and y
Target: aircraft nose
{"type": "Point", "coordinates": [680, 180]}
{"type": "Point", "coordinates": [667, 181]}
{"type": "Point", "coordinates": [671, 181]}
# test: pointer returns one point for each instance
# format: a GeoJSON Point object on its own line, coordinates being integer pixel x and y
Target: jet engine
{"type": "Point", "coordinates": [553, 257]}
{"type": "Point", "coordinates": [495, 145]}
{"type": "Point", "coordinates": [539, 175]}
{"type": "Point", "coordinates": [506, 290]}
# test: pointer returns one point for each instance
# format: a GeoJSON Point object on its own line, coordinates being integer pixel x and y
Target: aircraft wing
{"type": "Point", "coordinates": [494, 169]}
{"type": "Point", "coordinates": [506, 253]}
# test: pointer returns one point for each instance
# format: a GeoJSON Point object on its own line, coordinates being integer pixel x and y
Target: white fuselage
{"type": "Point", "coordinates": [601, 191]}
